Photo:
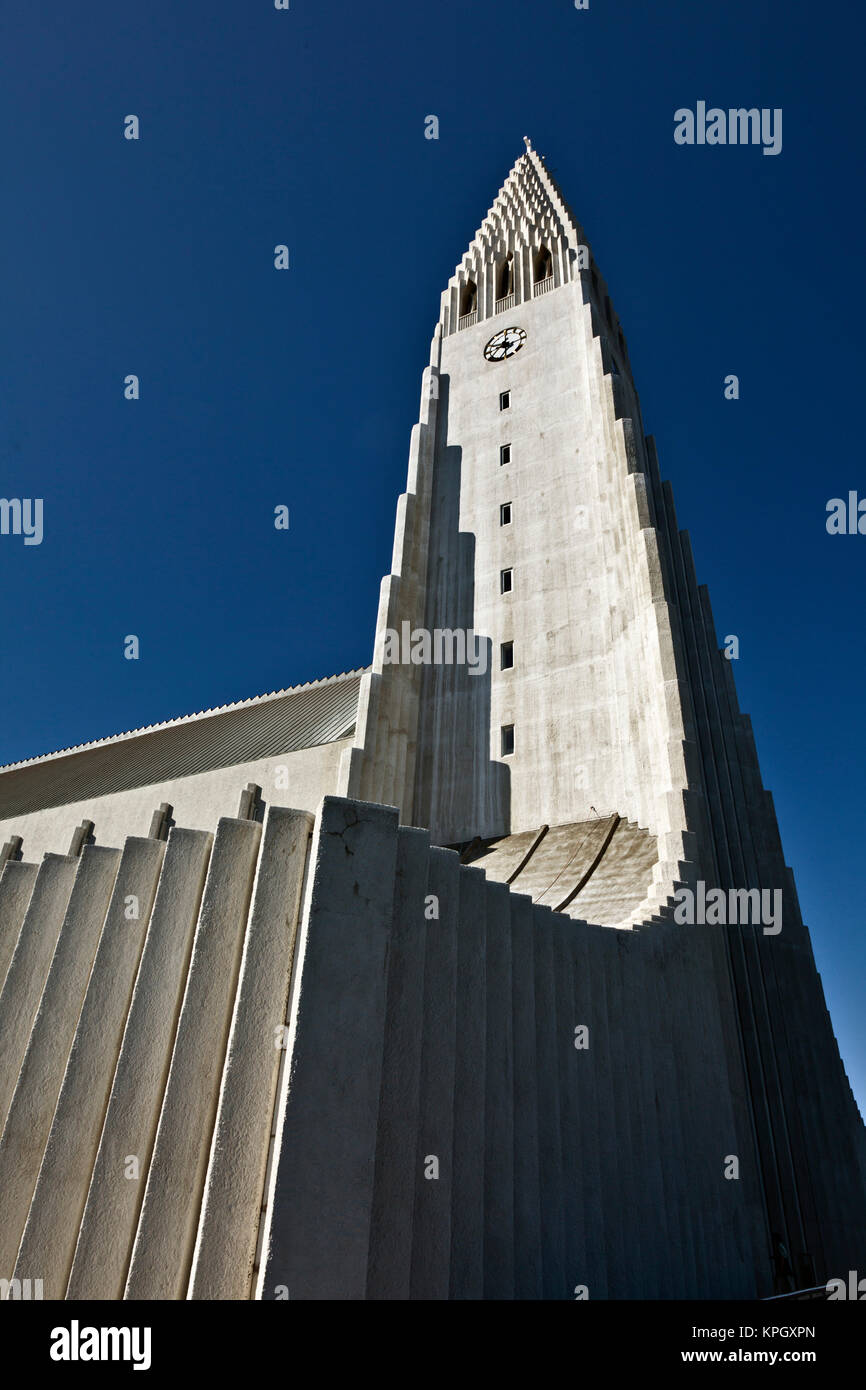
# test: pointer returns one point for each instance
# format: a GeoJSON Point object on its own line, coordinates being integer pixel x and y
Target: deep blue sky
{"type": "Point", "coordinates": [259, 387]}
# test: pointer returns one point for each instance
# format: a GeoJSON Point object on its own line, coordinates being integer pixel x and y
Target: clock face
{"type": "Point", "coordinates": [505, 344]}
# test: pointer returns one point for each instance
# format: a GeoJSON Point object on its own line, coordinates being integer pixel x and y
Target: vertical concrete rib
{"type": "Point", "coordinates": [467, 1196]}
{"type": "Point", "coordinates": [657, 1065]}
{"type": "Point", "coordinates": [702, 1103]}
{"type": "Point", "coordinates": [623, 1112]}
{"type": "Point", "coordinates": [48, 1243]}
{"type": "Point", "coordinates": [744, 1213]}
{"type": "Point", "coordinates": [499, 1273]}
{"type": "Point", "coordinates": [226, 1242]}
{"type": "Point", "coordinates": [609, 1084]}
{"type": "Point", "coordinates": [117, 1186]}
{"type": "Point", "coordinates": [16, 887]}
{"type": "Point", "coordinates": [557, 1139]}
{"type": "Point", "coordinates": [528, 1268]}
{"type": "Point", "coordinates": [320, 1204]}
{"type": "Point", "coordinates": [748, 871]}
{"type": "Point", "coordinates": [28, 968]}
{"type": "Point", "coordinates": [390, 1260]}
{"type": "Point", "coordinates": [645, 1174]}
{"type": "Point", "coordinates": [164, 1241]}
{"type": "Point", "coordinates": [590, 1267]}
{"type": "Point", "coordinates": [32, 1107]}
{"type": "Point", "coordinates": [431, 1227]}
{"type": "Point", "coordinates": [676, 1040]}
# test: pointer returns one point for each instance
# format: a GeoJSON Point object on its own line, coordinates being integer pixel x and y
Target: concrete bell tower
{"type": "Point", "coordinates": [529, 520]}
{"type": "Point", "coordinates": [535, 517]}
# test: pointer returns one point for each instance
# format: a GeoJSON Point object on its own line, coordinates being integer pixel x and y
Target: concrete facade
{"type": "Point", "coordinates": [412, 1014]}
{"type": "Point", "coordinates": [350, 1067]}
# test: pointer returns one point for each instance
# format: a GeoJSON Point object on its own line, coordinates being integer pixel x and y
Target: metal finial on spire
{"type": "Point", "coordinates": [527, 142]}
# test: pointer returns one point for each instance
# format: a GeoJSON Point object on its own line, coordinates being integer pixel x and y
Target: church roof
{"type": "Point", "coordinates": [284, 721]}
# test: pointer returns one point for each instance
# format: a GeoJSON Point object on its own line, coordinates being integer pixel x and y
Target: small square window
{"type": "Point", "coordinates": [505, 400]}
{"type": "Point", "coordinates": [505, 453]}
{"type": "Point", "coordinates": [505, 581]}
{"type": "Point", "coordinates": [506, 734]}
{"type": "Point", "coordinates": [505, 514]}
{"type": "Point", "coordinates": [506, 656]}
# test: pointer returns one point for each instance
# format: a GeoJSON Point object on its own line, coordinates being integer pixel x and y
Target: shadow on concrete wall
{"type": "Point", "coordinates": [462, 791]}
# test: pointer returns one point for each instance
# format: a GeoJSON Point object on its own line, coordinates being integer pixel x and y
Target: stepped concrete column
{"type": "Point", "coordinates": [467, 1186]}
{"type": "Point", "coordinates": [117, 1187]}
{"type": "Point", "coordinates": [16, 887]}
{"type": "Point", "coordinates": [28, 968]}
{"type": "Point", "coordinates": [32, 1107]}
{"type": "Point", "coordinates": [528, 1270]}
{"type": "Point", "coordinates": [164, 1241]}
{"type": "Point", "coordinates": [499, 1102]}
{"type": "Point", "coordinates": [226, 1241]}
{"type": "Point", "coordinates": [390, 1268]}
{"type": "Point", "coordinates": [320, 1203]}
{"type": "Point", "coordinates": [48, 1243]}
{"type": "Point", "coordinates": [431, 1231]}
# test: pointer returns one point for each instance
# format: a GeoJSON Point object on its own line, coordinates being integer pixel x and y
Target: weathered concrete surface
{"type": "Point", "coordinates": [500, 857]}
{"type": "Point", "coordinates": [28, 968]}
{"type": "Point", "coordinates": [390, 1266]}
{"type": "Point", "coordinates": [520, 1165]}
{"type": "Point", "coordinates": [164, 1241]}
{"type": "Point", "coordinates": [16, 885]}
{"type": "Point", "coordinates": [434, 1154]}
{"type": "Point", "coordinates": [226, 1242]}
{"type": "Point", "coordinates": [320, 1205]}
{"type": "Point", "coordinates": [48, 1243]}
{"type": "Point", "coordinates": [116, 1190]}
{"type": "Point", "coordinates": [499, 1100]}
{"type": "Point", "coordinates": [599, 870]}
{"type": "Point", "coordinates": [467, 1187]}
{"type": "Point", "coordinates": [32, 1107]}
{"type": "Point", "coordinates": [302, 776]}
{"type": "Point", "coordinates": [528, 1256]}
{"type": "Point", "coordinates": [437, 1133]}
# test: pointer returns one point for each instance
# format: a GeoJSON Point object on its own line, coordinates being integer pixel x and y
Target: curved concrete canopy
{"type": "Point", "coordinates": [595, 871]}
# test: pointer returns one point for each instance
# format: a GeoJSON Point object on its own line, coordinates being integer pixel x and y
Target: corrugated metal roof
{"type": "Point", "coordinates": [283, 722]}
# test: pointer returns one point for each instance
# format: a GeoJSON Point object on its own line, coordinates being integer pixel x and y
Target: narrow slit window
{"type": "Point", "coordinates": [506, 581]}
{"type": "Point", "coordinates": [506, 735]}
{"type": "Point", "coordinates": [505, 514]}
{"type": "Point", "coordinates": [505, 454]}
{"type": "Point", "coordinates": [506, 656]}
{"type": "Point", "coordinates": [505, 400]}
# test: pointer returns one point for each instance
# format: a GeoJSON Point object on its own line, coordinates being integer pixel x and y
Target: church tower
{"type": "Point", "coordinates": [530, 520]}
{"type": "Point", "coordinates": [508, 910]}
{"type": "Point", "coordinates": [599, 735]}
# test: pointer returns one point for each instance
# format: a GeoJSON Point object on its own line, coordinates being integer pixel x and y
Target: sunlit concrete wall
{"type": "Point", "coordinates": [198, 800]}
